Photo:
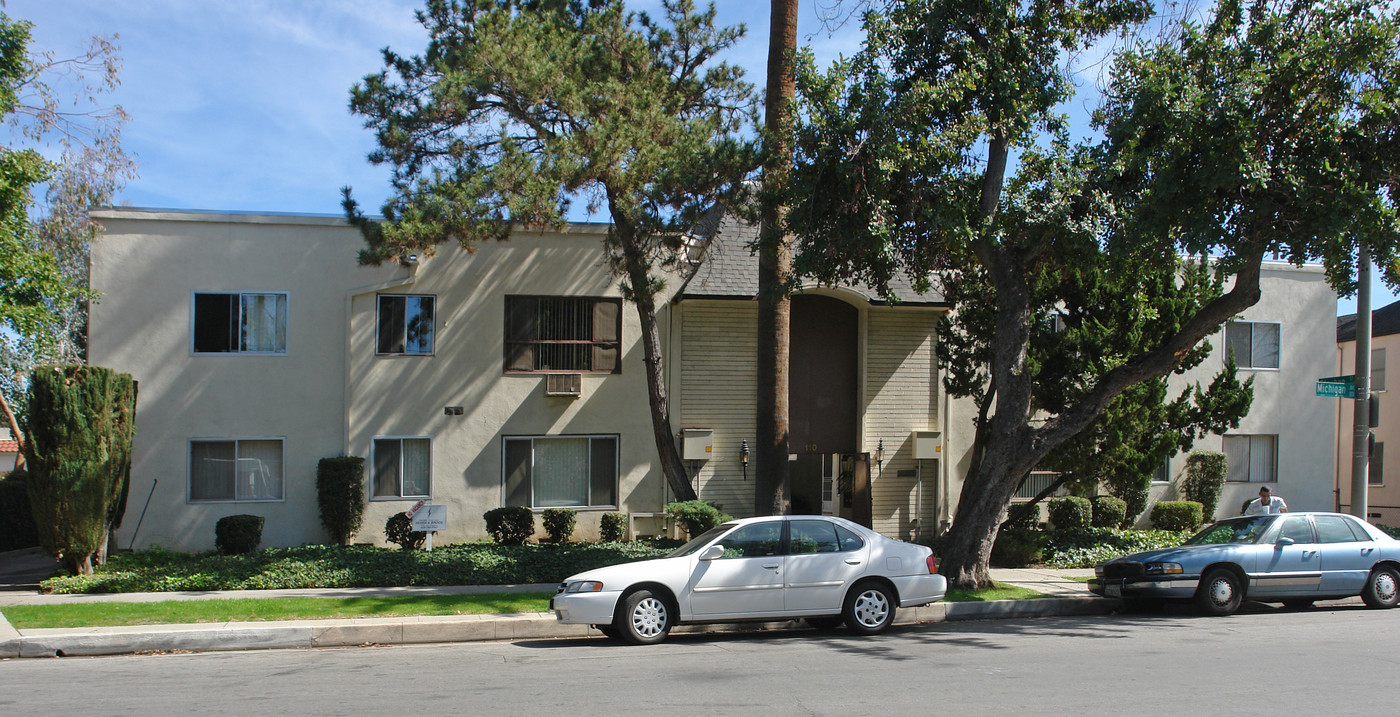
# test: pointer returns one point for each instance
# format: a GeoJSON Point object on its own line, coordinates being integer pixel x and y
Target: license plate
{"type": "Point", "coordinates": [1114, 590]}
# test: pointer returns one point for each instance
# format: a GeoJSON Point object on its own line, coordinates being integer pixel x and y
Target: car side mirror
{"type": "Point", "coordinates": [712, 552]}
{"type": "Point", "coordinates": [1284, 542]}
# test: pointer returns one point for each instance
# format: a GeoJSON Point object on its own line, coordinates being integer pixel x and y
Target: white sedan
{"type": "Point", "coordinates": [827, 570]}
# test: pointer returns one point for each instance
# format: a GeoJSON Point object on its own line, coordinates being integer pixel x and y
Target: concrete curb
{"type": "Point", "coordinates": [444, 629]}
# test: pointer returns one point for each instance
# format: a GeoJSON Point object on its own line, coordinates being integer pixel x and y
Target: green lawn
{"type": "Point", "coordinates": [100, 614]}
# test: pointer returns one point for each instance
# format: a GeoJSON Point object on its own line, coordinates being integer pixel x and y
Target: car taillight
{"type": "Point", "coordinates": [932, 564]}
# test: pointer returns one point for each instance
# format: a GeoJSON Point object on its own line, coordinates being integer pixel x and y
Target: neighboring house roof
{"type": "Point", "coordinates": [728, 268]}
{"type": "Point", "coordinates": [1385, 321]}
{"type": "Point", "coordinates": [9, 446]}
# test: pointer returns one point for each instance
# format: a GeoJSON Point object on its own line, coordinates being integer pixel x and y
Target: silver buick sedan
{"type": "Point", "coordinates": [823, 569]}
{"type": "Point", "coordinates": [1293, 558]}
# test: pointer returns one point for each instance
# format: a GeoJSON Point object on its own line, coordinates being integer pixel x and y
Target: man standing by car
{"type": "Point", "coordinates": [1266, 504]}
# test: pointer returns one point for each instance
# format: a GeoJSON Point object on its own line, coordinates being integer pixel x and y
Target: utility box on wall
{"type": "Point", "coordinates": [928, 445]}
{"type": "Point", "coordinates": [697, 444]}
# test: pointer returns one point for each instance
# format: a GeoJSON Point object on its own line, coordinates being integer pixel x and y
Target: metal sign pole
{"type": "Point", "coordinates": [1361, 415]}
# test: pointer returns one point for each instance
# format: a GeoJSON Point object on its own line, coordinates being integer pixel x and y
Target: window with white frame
{"type": "Point", "coordinates": [1163, 474]}
{"type": "Point", "coordinates": [235, 469]}
{"type": "Point", "coordinates": [406, 325]}
{"type": "Point", "coordinates": [244, 322]}
{"type": "Point", "coordinates": [1377, 369]}
{"type": "Point", "coordinates": [561, 471]}
{"type": "Point", "coordinates": [1255, 344]}
{"type": "Point", "coordinates": [402, 467]}
{"type": "Point", "coordinates": [1251, 459]}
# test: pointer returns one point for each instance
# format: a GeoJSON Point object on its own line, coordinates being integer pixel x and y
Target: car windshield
{"type": "Point", "coordinates": [1234, 530]}
{"type": "Point", "coordinates": [700, 541]}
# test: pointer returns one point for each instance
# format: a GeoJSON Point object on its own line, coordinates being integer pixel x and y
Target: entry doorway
{"type": "Point", "coordinates": [831, 484]}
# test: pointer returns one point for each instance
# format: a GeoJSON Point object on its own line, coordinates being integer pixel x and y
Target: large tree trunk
{"type": "Point", "coordinates": [771, 494]}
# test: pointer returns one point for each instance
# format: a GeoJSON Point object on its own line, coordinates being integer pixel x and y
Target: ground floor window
{"type": "Point", "coordinates": [561, 471]}
{"type": "Point", "coordinates": [237, 469]}
{"type": "Point", "coordinates": [402, 467]}
{"type": "Point", "coordinates": [1252, 459]}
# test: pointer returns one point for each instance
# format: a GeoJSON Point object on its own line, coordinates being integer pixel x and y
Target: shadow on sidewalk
{"type": "Point", "coordinates": [23, 569]}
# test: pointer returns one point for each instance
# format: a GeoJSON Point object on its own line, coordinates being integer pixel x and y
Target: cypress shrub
{"type": "Point", "coordinates": [1071, 512]}
{"type": "Point", "coordinates": [340, 489]}
{"type": "Point", "coordinates": [512, 525]}
{"type": "Point", "coordinates": [238, 534]}
{"type": "Point", "coordinates": [399, 530]}
{"type": "Point", "coordinates": [697, 516]}
{"type": "Point", "coordinates": [1109, 512]}
{"type": "Point", "coordinates": [16, 518]}
{"type": "Point", "coordinates": [1024, 516]}
{"type": "Point", "coordinates": [612, 528]}
{"type": "Point", "coordinates": [1017, 548]}
{"type": "Point", "coordinates": [82, 421]}
{"type": "Point", "coordinates": [1176, 514]}
{"type": "Point", "coordinates": [559, 524]}
{"type": "Point", "coordinates": [1205, 478]}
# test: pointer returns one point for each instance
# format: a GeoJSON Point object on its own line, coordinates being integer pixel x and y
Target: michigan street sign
{"type": "Point", "coordinates": [1337, 386]}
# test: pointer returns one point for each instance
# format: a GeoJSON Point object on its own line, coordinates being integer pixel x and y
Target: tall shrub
{"type": "Point", "coordinates": [398, 529]}
{"type": "Point", "coordinates": [612, 527]}
{"type": "Point", "coordinates": [511, 525]}
{"type": "Point", "coordinates": [1071, 512]}
{"type": "Point", "coordinates": [1205, 478]}
{"type": "Point", "coordinates": [81, 425]}
{"type": "Point", "coordinates": [340, 489]}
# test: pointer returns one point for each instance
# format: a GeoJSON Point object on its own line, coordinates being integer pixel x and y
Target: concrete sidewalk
{"type": "Point", "coordinates": [1070, 598]}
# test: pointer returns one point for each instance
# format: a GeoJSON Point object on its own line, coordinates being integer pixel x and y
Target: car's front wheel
{"type": "Point", "coordinates": [645, 618]}
{"type": "Point", "coordinates": [1382, 588]}
{"type": "Point", "coordinates": [869, 608]}
{"type": "Point", "coordinates": [1219, 592]}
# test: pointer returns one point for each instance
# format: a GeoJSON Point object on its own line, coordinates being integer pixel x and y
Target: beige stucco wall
{"type": "Point", "coordinates": [1382, 501]}
{"type": "Point", "coordinates": [330, 394]}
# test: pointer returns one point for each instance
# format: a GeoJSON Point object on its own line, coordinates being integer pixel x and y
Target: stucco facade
{"type": "Point", "coordinates": [1383, 491]}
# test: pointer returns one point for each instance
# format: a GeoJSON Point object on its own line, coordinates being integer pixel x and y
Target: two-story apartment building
{"type": "Point", "coordinates": [1382, 496]}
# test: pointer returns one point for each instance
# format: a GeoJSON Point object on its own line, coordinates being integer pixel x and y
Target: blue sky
{"type": "Point", "coordinates": [241, 106]}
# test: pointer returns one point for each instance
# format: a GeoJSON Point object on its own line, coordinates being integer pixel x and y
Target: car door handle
{"type": "Point", "coordinates": [1366, 551]}
{"type": "Point", "coordinates": [853, 562]}
{"type": "Point", "coordinates": [773, 566]}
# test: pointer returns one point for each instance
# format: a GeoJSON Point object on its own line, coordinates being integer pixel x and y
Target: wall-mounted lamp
{"type": "Point", "coordinates": [880, 453]}
{"type": "Point", "coordinates": [744, 457]}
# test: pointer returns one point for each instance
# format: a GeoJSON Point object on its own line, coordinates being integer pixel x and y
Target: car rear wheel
{"type": "Point", "coordinates": [1382, 588]}
{"type": "Point", "coordinates": [869, 608]}
{"type": "Point", "coordinates": [645, 619]}
{"type": "Point", "coordinates": [1219, 593]}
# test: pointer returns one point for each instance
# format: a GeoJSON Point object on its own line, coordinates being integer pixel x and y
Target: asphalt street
{"type": "Point", "coordinates": [1333, 659]}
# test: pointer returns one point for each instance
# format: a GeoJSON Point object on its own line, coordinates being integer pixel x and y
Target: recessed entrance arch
{"type": "Point", "coordinates": [822, 396]}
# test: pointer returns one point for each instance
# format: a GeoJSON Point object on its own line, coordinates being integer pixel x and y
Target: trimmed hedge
{"type": "Point", "coordinates": [349, 566]}
{"type": "Point", "coordinates": [1023, 516]}
{"type": "Point", "coordinates": [559, 524]}
{"type": "Point", "coordinates": [1087, 548]}
{"type": "Point", "coordinates": [612, 527]}
{"type": "Point", "coordinates": [238, 534]}
{"type": "Point", "coordinates": [340, 491]}
{"type": "Point", "coordinates": [1205, 478]}
{"type": "Point", "coordinates": [16, 518]}
{"type": "Point", "coordinates": [697, 516]}
{"type": "Point", "coordinates": [398, 529]}
{"type": "Point", "coordinates": [1109, 512]}
{"type": "Point", "coordinates": [512, 525]}
{"type": "Point", "coordinates": [1071, 512]}
{"type": "Point", "coordinates": [1176, 514]}
{"type": "Point", "coordinates": [1017, 548]}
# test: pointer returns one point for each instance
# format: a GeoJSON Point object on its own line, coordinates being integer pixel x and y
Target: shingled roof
{"type": "Point", "coordinates": [1385, 321]}
{"type": "Point", "coordinates": [728, 268]}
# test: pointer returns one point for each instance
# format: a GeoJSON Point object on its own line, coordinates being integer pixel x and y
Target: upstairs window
{"type": "Point", "coordinates": [406, 325]}
{"type": "Point", "coordinates": [240, 323]}
{"type": "Point", "coordinates": [562, 334]}
{"type": "Point", "coordinates": [1255, 344]}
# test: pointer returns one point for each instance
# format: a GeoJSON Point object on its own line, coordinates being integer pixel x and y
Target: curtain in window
{"type": "Point", "coordinates": [259, 470]}
{"type": "Point", "coordinates": [386, 468]}
{"type": "Point", "coordinates": [517, 480]}
{"type": "Point", "coordinates": [561, 472]}
{"type": "Point", "coordinates": [417, 466]}
{"type": "Point", "coordinates": [1264, 346]}
{"type": "Point", "coordinates": [1238, 342]}
{"type": "Point", "coordinates": [1237, 458]}
{"type": "Point", "coordinates": [602, 481]}
{"type": "Point", "coordinates": [264, 322]}
{"type": "Point", "coordinates": [1262, 457]}
{"type": "Point", "coordinates": [212, 470]}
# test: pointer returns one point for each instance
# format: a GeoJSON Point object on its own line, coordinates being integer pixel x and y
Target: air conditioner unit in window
{"type": "Point", "coordinates": [563, 384]}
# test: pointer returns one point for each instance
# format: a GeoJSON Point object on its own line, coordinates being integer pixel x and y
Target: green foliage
{"type": "Point", "coordinates": [1025, 516]}
{"type": "Point", "coordinates": [16, 518]}
{"type": "Point", "coordinates": [1205, 478]}
{"type": "Point", "coordinates": [1176, 514]}
{"type": "Point", "coordinates": [340, 491]}
{"type": "Point", "coordinates": [1016, 548]}
{"type": "Point", "coordinates": [1392, 532]}
{"type": "Point", "coordinates": [335, 566]}
{"type": "Point", "coordinates": [1087, 548]}
{"type": "Point", "coordinates": [612, 527]}
{"type": "Point", "coordinates": [697, 516]}
{"type": "Point", "coordinates": [82, 421]}
{"type": "Point", "coordinates": [1071, 512]}
{"type": "Point", "coordinates": [398, 529]}
{"type": "Point", "coordinates": [559, 524]}
{"type": "Point", "coordinates": [511, 525]}
{"type": "Point", "coordinates": [235, 534]}
{"type": "Point", "coordinates": [1109, 512]}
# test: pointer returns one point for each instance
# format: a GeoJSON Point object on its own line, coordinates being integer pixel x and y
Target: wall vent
{"type": "Point", "coordinates": [563, 384]}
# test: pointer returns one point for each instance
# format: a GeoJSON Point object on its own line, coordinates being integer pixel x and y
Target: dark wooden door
{"type": "Point", "coordinates": [822, 379]}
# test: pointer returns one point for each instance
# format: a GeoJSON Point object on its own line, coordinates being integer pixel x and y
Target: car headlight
{"type": "Point", "coordinates": [586, 586]}
{"type": "Point", "coordinates": [1164, 568]}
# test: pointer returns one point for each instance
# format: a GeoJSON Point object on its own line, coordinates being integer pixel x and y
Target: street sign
{"type": "Point", "coordinates": [1349, 378]}
{"type": "Point", "coordinates": [1336, 390]}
